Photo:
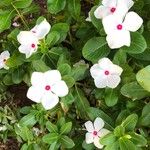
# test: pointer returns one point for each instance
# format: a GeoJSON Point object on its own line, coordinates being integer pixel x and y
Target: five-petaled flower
{"type": "Point", "coordinates": [118, 30]}
{"type": "Point", "coordinates": [29, 40]}
{"type": "Point", "coordinates": [3, 58]}
{"type": "Point", "coordinates": [47, 88]}
{"type": "Point", "coordinates": [106, 74]}
{"type": "Point", "coordinates": [110, 7]}
{"type": "Point", "coordinates": [95, 132]}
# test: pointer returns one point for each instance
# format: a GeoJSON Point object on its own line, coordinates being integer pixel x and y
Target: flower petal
{"type": "Point", "coordinates": [89, 138]}
{"type": "Point", "coordinates": [89, 126]}
{"type": "Point", "coordinates": [113, 81]}
{"type": "Point", "coordinates": [42, 29]}
{"type": "Point", "coordinates": [37, 79]}
{"type": "Point", "coordinates": [132, 21]}
{"type": "Point", "coordinates": [102, 12]}
{"type": "Point", "coordinates": [103, 132]}
{"type": "Point", "coordinates": [49, 100]}
{"type": "Point", "coordinates": [98, 124]}
{"type": "Point", "coordinates": [60, 89]}
{"type": "Point", "coordinates": [5, 55]}
{"type": "Point", "coordinates": [52, 76]}
{"type": "Point", "coordinates": [109, 3]}
{"type": "Point", "coordinates": [104, 63]}
{"type": "Point", "coordinates": [117, 39]}
{"type": "Point", "coordinates": [115, 69]}
{"type": "Point", "coordinates": [129, 3]}
{"type": "Point", "coordinates": [100, 82]}
{"type": "Point", "coordinates": [97, 143]}
{"type": "Point", "coordinates": [35, 94]}
{"type": "Point", "coordinates": [27, 38]}
{"type": "Point", "coordinates": [95, 71]}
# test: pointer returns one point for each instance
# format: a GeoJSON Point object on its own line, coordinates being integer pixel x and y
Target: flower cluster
{"type": "Point", "coordinates": [95, 132]}
{"type": "Point", "coordinates": [29, 40]}
{"type": "Point", "coordinates": [118, 22]}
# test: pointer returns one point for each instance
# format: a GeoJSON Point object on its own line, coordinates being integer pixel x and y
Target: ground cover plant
{"type": "Point", "coordinates": [74, 74]}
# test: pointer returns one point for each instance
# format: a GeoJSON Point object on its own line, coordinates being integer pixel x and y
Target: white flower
{"type": "Point", "coordinates": [29, 43]}
{"type": "Point", "coordinates": [3, 128]}
{"type": "Point", "coordinates": [47, 88]}
{"type": "Point", "coordinates": [88, 18]}
{"type": "Point", "coordinates": [42, 29]}
{"type": "Point", "coordinates": [110, 7]}
{"type": "Point", "coordinates": [95, 132]}
{"type": "Point", "coordinates": [106, 74]}
{"type": "Point", "coordinates": [3, 58]}
{"type": "Point", "coordinates": [118, 30]}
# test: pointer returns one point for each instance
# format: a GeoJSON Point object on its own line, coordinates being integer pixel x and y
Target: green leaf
{"type": "Point", "coordinates": [50, 138]}
{"type": "Point", "coordinates": [74, 8]}
{"type": "Point", "coordinates": [144, 119]}
{"type": "Point", "coordinates": [126, 144]}
{"type": "Point", "coordinates": [137, 139]}
{"type": "Point", "coordinates": [111, 97]}
{"type": "Point", "coordinates": [28, 120]}
{"type": "Point", "coordinates": [55, 6]}
{"type": "Point", "coordinates": [69, 80]}
{"type": "Point", "coordinates": [54, 146]}
{"type": "Point", "coordinates": [62, 29]}
{"type": "Point", "coordinates": [130, 122]}
{"type": "Point", "coordinates": [66, 128]}
{"type": "Point", "coordinates": [108, 139]}
{"type": "Point", "coordinates": [81, 102]}
{"type": "Point", "coordinates": [96, 22]}
{"type": "Point", "coordinates": [40, 66]}
{"type": "Point", "coordinates": [79, 71]}
{"type": "Point", "coordinates": [134, 91]}
{"type": "Point", "coordinates": [67, 142]}
{"type": "Point", "coordinates": [88, 146]}
{"type": "Point", "coordinates": [5, 21]}
{"type": "Point", "coordinates": [52, 38]}
{"type": "Point", "coordinates": [113, 146]}
{"type": "Point", "coordinates": [64, 69]}
{"type": "Point", "coordinates": [51, 127]}
{"type": "Point", "coordinates": [22, 3]}
{"type": "Point", "coordinates": [119, 131]}
{"type": "Point", "coordinates": [95, 48]}
{"type": "Point", "coordinates": [143, 78]}
{"type": "Point", "coordinates": [8, 79]}
{"type": "Point", "coordinates": [138, 44]}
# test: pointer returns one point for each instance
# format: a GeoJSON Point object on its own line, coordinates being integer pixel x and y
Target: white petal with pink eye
{"type": "Point", "coordinates": [104, 63]}
{"type": "Point", "coordinates": [52, 76]}
{"type": "Point", "coordinates": [117, 39]}
{"type": "Point", "coordinates": [132, 21]}
{"type": "Point", "coordinates": [113, 81]}
{"type": "Point", "coordinates": [49, 100]}
{"type": "Point", "coordinates": [35, 93]}
{"type": "Point", "coordinates": [42, 29]}
{"type": "Point", "coordinates": [102, 12]}
{"type": "Point", "coordinates": [109, 3]}
{"type": "Point", "coordinates": [98, 124]}
{"type": "Point", "coordinates": [115, 69]}
{"type": "Point", "coordinates": [89, 126]}
{"type": "Point", "coordinates": [100, 82]}
{"type": "Point", "coordinates": [60, 89]}
{"type": "Point", "coordinates": [37, 79]}
{"type": "Point", "coordinates": [27, 38]}
{"type": "Point", "coordinates": [103, 132]}
{"type": "Point", "coordinates": [89, 138]}
{"type": "Point", "coordinates": [96, 71]}
{"type": "Point", "coordinates": [97, 143]}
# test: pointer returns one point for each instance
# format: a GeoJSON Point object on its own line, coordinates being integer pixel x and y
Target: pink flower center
{"type": "Point", "coordinates": [119, 27]}
{"type": "Point", "coordinates": [33, 45]}
{"type": "Point", "coordinates": [94, 133]}
{"type": "Point", "coordinates": [47, 87]}
{"type": "Point", "coordinates": [113, 9]}
{"type": "Point", "coordinates": [106, 72]}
